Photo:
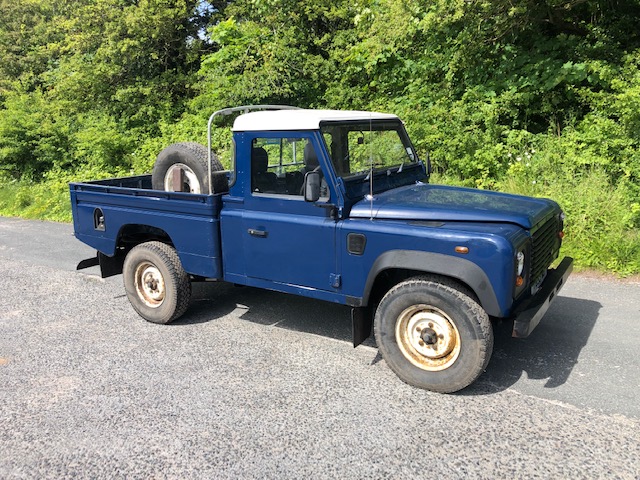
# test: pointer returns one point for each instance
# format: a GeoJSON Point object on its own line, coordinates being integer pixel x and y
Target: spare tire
{"type": "Point", "coordinates": [182, 167]}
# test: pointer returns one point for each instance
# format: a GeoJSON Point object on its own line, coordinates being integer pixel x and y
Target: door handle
{"type": "Point", "coordinates": [257, 233]}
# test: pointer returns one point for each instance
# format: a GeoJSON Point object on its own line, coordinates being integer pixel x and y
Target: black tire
{"type": "Point", "coordinates": [433, 334]}
{"type": "Point", "coordinates": [156, 284]}
{"type": "Point", "coordinates": [191, 158]}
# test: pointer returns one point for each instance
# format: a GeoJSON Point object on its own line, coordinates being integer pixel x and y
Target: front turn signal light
{"type": "Point", "coordinates": [561, 235]}
{"type": "Point", "coordinates": [519, 281]}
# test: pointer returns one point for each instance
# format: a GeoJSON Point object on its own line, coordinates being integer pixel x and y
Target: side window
{"type": "Point", "coordinates": [338, 148]}
{"type": "Point", "coordinates": [278, 164]}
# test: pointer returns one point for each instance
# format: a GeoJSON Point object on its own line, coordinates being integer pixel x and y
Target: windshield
{"type": "Point", "coordinates": [357, 146]}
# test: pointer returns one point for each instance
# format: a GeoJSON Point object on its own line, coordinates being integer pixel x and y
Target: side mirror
{"type": "Point", "coordinates": [312, 186]}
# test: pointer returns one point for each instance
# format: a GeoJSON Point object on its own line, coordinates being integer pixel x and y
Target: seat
{"type": "Point", "coordinates": [311, 164]}
{"type": "Point", "coordinates": [261, 179]}
{"type": "Point", "coordinates": [294, 181]}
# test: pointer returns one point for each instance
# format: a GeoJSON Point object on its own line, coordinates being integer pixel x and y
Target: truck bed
{"type": "Point", "coordinates": [108, 212]}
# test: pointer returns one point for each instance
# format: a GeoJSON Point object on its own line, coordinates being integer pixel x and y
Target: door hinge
{"type": "Point", "coordinates": [335, 280]}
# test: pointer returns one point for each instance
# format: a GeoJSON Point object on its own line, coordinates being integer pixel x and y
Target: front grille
{"type": "Point", "coordinates": [545, 247]}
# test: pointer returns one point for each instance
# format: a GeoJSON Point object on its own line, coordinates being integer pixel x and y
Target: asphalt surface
{"type": "Point", "coordinates": [256, 384]}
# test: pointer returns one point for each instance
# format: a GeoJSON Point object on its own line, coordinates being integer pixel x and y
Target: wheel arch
{"type": "Point", "coordinates": [129, 236]}
{"type": "Point", "coordinates": [133, 234]}
{"type": "Point", "coordinates": [397, 265]}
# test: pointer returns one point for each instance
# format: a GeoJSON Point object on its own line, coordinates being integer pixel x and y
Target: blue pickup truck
{"type": "Point", "coordinates": [332, 205]}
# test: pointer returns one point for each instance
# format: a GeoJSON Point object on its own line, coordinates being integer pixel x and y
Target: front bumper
{"type": "Point", "coordinates": [529, 314]}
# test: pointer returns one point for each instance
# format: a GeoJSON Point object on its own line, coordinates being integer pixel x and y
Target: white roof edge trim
{"type": "Point", "coordinates": [279, 120]}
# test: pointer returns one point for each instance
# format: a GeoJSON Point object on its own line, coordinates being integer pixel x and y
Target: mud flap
{"type": "Point", "coordinates": [109, 266]}
{"type": "Point", "coordinates": [361, 324]}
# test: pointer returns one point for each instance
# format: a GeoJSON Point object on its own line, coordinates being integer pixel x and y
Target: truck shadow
{"type": "Point", "coordinates": [273, 309]}
{"type": "Point", "coordinates": [209, 300]}
{"type": "Point", "coordinates": [550, 352]}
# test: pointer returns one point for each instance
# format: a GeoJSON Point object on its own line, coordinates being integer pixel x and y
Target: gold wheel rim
{"type": "Point", "coordinates": [428, 337]}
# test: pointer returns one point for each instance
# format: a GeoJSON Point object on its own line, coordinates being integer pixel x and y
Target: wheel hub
{"type": "Point", "coordinates": [150, 284]}
{"type": "Point", "coordinates": [428, 337]}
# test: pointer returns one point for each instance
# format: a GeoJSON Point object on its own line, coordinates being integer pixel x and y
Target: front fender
{"type": "Point", "coordinates": [460, 269]}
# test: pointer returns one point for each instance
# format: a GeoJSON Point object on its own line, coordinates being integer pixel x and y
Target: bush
{"type": "Point", "coordinates": [603, 217]}
{"type": "Point", "coordinates": [48, 199]}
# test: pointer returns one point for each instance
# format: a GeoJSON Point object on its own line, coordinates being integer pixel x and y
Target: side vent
{"type": "Point", "coordinates": [98, 220]}
{"type": "Point", "coordinates": [356, 243]}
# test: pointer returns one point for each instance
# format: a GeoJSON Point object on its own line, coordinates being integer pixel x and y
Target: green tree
{"type": "Point", "coordinates": [113, 67]}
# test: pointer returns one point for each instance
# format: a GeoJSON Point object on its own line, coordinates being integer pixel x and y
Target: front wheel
{"type": "Point", "coordinates": [156, 284]}
{"type": "Point", "coordinates": [433, 334]}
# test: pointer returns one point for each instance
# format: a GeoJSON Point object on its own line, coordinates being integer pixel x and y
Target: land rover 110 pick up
{"type": "Point", "coordinates": [333, 205]}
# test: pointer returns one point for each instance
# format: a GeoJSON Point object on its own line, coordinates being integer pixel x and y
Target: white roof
{"type": "Point", "coordinates": [269, 120]}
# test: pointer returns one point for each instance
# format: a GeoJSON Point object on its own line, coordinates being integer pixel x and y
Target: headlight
{"type": "Point", "coordinates": [520, 260]}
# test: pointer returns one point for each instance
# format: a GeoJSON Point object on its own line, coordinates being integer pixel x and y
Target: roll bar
{"type": "Point", "coordinates": [229, 111]}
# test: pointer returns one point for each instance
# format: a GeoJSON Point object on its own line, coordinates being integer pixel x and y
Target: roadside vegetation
{"type": "Point", "coordinates": [537, 98]}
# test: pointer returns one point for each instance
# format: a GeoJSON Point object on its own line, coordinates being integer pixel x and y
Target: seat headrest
{"type": "Point", "coordinates": [310, 157]}
{"type": "Point", "coordinates": [259, 160]}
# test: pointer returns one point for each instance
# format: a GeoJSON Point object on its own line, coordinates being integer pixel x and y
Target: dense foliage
{"type": "Point", "coordinates": [540, 98]}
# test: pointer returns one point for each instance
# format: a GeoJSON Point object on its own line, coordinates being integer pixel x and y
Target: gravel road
{"type": "Point", "coordinates": [256, 384]}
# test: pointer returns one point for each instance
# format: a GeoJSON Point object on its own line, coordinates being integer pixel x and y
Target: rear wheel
{"type": "Point", "coordinates": [433, 334]}
{"type": "Point", "coordinates": [156, 284]}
